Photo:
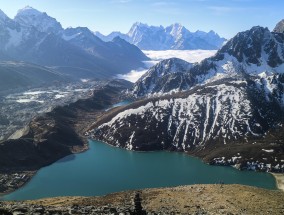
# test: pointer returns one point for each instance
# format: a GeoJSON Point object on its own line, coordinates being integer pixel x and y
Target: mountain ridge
{"type": "Point", "coordinates": [35, 37]}
{"type": "Point", "coordinates": [254, 52]}
{"type": "Point", "coordinates": [175, 37]}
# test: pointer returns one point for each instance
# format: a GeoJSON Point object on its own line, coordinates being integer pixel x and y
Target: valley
{"type": "Point", "coordinates": [18, 109]}
{"type": "Point", "coordinates": [53, 135]}
{"type": "Point", "coordinates": [190, 118]}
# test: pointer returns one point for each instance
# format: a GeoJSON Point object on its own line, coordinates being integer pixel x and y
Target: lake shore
{"type": "Point", "coordinates": [279, 180]}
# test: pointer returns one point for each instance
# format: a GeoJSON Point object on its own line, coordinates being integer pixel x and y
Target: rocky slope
{"type": "Point", "coordinates": [52, 136]}
{"type": "Point", "coordinates": [196, 199]}
{"type": "Point", "coordinates": [30, 17]}
{"type": "Point", "coordinates": [256, 52]}
{"type": "Point", "coordinates": [33, 36]}
{"type": "Point", "coordinates": [279, 28]}
{"type": "Point", "coordinates": [231, 113]}
{"type": "Point", "coordinates": [162, 78]}
{"type": "Point", "coordinates": [175, 37]}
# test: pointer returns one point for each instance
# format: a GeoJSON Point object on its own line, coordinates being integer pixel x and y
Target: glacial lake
{"type": "Point", "coordinates": [105, 169]}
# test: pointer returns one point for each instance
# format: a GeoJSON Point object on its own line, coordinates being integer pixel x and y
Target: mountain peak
{"type": "Point", "coordinates": [136, 27]}
{"type": "Point", "coordinates": [212, 32]}
{"type": "Point", "coordinates": [176, 30]}
{"type": "Point", "coordinates": [28, 11]}
{"type": "Point", "coordinates": [177, 27]}
{"type": "Point", "coordinates": [279, 28]}
{"type": "Point", "coordinates": [3, 16]}
{"type": "Point", "coordinates": [29, 16]}
{"type": "Point", "coordinates": [140, 24]}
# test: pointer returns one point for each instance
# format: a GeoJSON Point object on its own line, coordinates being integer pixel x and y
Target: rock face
{"type": "Point", "coordinates": [35, 37]}
{"type": "Point", "coordinates": [31, 17]}
{"type": "Point", "coordinates": [162, 78]}
{"type": "Point", "coordinates": [279, 28]}
{"type": "Point", "coordinates": [175, 37]}
{"type": "Point", "coordinates": [234, 100]}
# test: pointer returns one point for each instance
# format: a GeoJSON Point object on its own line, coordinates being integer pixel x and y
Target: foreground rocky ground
{"type": "Point", "coordinates": [196, 199]}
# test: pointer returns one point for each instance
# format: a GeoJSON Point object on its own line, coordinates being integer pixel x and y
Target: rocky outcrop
{"type": "Point", "coordinates": [279, 28]}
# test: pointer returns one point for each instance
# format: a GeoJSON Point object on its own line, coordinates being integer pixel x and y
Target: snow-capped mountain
{"type": "Point", "coordinates": [175, 36]}
{"type": "Point", "coordinates": [29, 16]}
{"type": "Point", "coordinates": [243, 115]}
{"type": "Point", "coordinates": [3, 16]}
{"type": "Point", "coordinates": [35, 37]}
{"type": "Point", "coordinates": [167, 75]}
{"type": "Point", "coordinates": [231, 113]}
{"type": "Point", "coordinates": [116, 52]}
{"type": "Point", "coordinates": [256, 51]}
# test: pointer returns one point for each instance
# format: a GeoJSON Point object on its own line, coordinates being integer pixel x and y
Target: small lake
{"type": "Point", "coordinates": [105, 169]}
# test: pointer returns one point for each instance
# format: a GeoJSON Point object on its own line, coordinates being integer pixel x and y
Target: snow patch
{"type": "Point", "coordinates": [268, 150]}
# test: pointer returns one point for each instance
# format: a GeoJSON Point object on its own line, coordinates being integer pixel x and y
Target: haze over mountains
{"type": "Point", "coordinates": [175, 37]}
{"type": "Point", "coordinates": [35, 37]}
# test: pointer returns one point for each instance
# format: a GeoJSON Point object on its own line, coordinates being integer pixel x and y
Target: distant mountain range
{"type": "Point", "coordinates": [228, 109]}
{"type": "Point", "coordinates": [251, 52]}
{"type": "Point", "coordinates": [35, 37]}
{"type": "Point", "coordinates": [175, 37]}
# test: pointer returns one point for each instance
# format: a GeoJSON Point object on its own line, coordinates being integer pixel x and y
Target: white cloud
{"type": "Point", "coordinates": [133, 75]}
{"type": "Point", "coordinates": [191, 56]}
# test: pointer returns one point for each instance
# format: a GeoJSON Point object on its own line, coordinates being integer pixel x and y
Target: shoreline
{"type": "Point", "coordinates": [279, 178]}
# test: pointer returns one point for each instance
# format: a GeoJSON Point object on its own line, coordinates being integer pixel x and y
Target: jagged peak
{"type": "Point", "coordinates": [140, 24]}
{"type": "Point", "coordinates": [279, 28]}
{"type": "Point", "coordinates": [169, 66]}
{"type": "Point", "coordinates": [28, 11]}
{"type": "Point", "coordinates": [254, 32]}
{"type": "Point", "coordinates": [177, 25]}
{"type": "Point", "coordinates": [257, 29]}
{"type": "Point", "coordinates": [171, 60]}
{"type": "Point", "coordinates": [29, 16]}
{"type": "Point", "coordinates": [3, 16]}
{"type": "Point", "coordinates": [136, 26]}
{"type": "Point", "coordinates": [212, 32]}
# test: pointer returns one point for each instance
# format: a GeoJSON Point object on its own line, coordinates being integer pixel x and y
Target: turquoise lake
{"type": "Point", "coordinates": [105, 169]}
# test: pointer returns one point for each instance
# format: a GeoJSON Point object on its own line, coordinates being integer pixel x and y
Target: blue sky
{"type": "Point", "coordinates": [226, 17]}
